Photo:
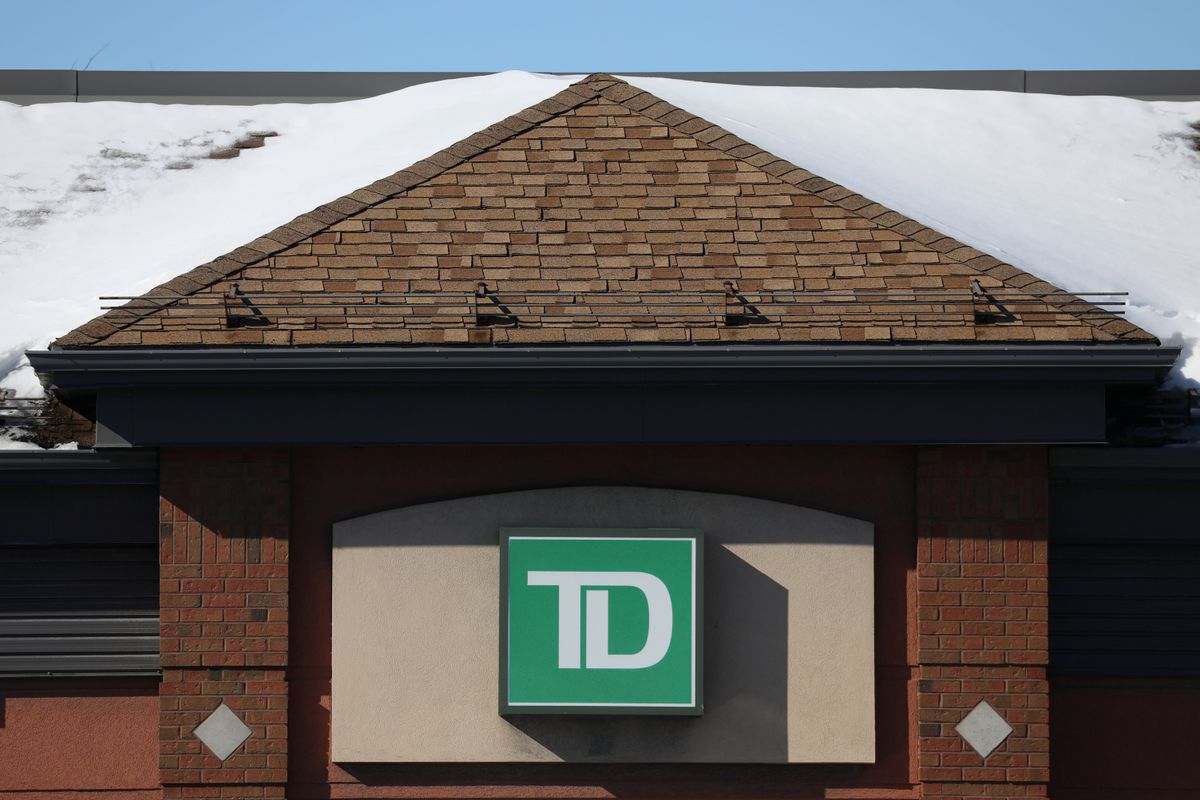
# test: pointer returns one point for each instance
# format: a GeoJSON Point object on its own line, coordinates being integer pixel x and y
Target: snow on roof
{"type": "Point", "coordinates": [80, 181]}
{"type": "Point", "coordinates": [1089, 193]}
{"type": "Point", "coordinates": [595, 121]}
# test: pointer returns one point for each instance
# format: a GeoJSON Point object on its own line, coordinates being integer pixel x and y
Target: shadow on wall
{"type": "Point", "coordinates": [758, 724]}
{"type": "Point", "coordinates": [787, 634]}
{"type": "Point", "coordinates": [477, 519]}
{"type": "Point", "coordinates": [752, 702]}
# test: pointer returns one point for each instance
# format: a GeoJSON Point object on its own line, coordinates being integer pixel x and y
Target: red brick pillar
{"type": "Point", "coordinates": [982, 617]}
{"type": "Point", "coordinates": [223, 538]}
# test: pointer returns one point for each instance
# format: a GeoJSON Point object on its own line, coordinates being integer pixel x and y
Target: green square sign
{"type": "Point", "coordinates": [600, 621]}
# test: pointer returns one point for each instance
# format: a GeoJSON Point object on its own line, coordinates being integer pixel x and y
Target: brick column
{"type": "Point", "coordinates": [982, 617]}
{"type": "Point", "coordinates": [223, 536]}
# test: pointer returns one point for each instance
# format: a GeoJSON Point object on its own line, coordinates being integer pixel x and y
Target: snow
{"type": "Point", "coordinates": [1090, 193]}
{"type": "Point", "coordinates": [93, 199]}
{"type": "Point", "coordinates": [13, 444]}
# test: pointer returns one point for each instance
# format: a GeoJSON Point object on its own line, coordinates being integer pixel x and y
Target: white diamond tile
{"type": "Point", "coordinates": [223, 732]}
{"type": "Point", "coordinates": [983, 729]}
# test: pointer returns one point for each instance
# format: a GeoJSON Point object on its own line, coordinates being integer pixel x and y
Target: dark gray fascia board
{"type": "Point", "coordinates": [1146, 83]}
{"type": "Point", "coordinates": [79, 467]}
{"type": "Point", "coordinates": [102, 84]}
{"type": "Point", "coordinates": [997, 80]}
{"type": "Point", "coordinates": [87, 369]}
{"type": "Point", "coordinates": [532, 413]}
{"type": "Point", "coordinates": [249, 87]}
{"type": "Point", "coordinates": [27, 86]}
{"type": "Point", "coordinates": [38, 86]}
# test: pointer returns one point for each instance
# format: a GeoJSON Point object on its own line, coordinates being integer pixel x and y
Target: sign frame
{"type": "Point", "coordinates": [696, 708]}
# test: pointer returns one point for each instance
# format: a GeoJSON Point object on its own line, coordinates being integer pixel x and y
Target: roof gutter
{"type": "Point", "coordinates": [87, 369]}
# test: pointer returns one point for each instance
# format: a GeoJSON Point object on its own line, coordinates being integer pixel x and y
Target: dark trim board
{"type": "Point", "coordinates": [75, 498]}
{"type": "Point", "coordinates": [506, 414]}
{"type": "Point", "coordinates": [1094, 465]}
{"type": "Point", "coordinates": [601, 394]}
{"type": "Point", "coordinates": [78, 467]}
{"type": "Point", "coordinates": [1133, 496]}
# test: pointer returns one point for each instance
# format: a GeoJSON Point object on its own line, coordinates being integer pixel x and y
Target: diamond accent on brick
{"type": "Point", "coordinates": [223, 732]}
{"type": "Point", "coordinates": [983, 729]}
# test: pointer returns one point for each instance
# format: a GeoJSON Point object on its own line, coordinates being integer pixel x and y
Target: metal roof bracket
{"type": "Point", "coordinates": [490, 299]}
{"type": "Point", "coordinates": [743, 311]}
{"type": "Point", "coordinates": [234, 300]}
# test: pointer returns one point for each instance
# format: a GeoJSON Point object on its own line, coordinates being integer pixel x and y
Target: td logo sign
{"type": "Point", "coordinates": [600, 621]}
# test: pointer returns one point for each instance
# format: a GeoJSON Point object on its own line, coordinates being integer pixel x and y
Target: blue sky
{"type": "Point", "coordinates": [613, 35]}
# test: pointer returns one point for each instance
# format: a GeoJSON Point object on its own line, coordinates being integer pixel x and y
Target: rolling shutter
{"type": "Point", "coordinates": [1125, 562]}
{"type": "Point", "coordinates": [78, 564]}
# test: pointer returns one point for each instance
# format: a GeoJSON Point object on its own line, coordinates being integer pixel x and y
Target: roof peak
{"type": "Point", "coordinates": [599, 78]}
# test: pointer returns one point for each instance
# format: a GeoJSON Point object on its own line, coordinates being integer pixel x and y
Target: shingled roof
{"type": "Point", "coordinates": [602, 214]}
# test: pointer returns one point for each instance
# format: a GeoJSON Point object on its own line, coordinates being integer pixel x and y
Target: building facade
{"type": "Point", "coordinates": [286, 568]}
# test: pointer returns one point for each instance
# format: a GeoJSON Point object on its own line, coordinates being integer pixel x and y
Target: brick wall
{"type": "Point", "coordinates": [982, 617]}
{"type": "Point", "coordinates": [982, 602]}
{"type": "Point", "coordinates": [224, 517]}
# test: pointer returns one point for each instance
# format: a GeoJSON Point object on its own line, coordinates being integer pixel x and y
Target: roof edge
{"type": "Point", "coordinates": [83, 369]}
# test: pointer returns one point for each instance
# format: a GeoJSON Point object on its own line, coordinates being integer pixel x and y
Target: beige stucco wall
{"type": "Point", "coordinates": [788, 650]}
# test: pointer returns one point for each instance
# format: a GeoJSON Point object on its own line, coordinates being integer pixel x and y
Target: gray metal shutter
{"type": "Point", "coordinates": [78, 564]}
{"type": "Point", "coordinates": [1125, 562]}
